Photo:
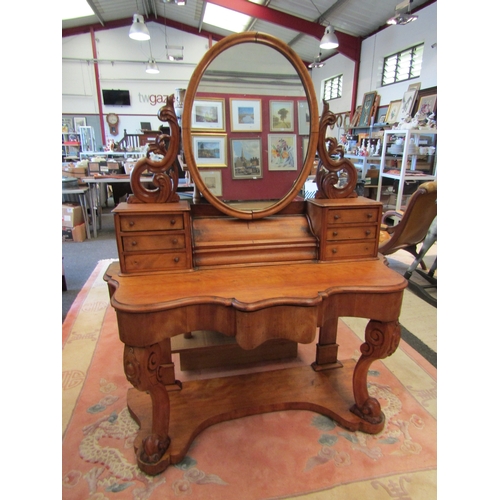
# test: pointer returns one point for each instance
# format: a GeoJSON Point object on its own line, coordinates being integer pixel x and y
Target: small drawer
{"type": "Point", "coordinates": [138, 243]}
{"type": "Point", "coordinates": [167, 261]}
{"type": "Point", "coordinates": [335, 251]}
{"type": "Point", "coordinates": [344, 216]}
{"type": "Point", "coordinates": [351, 233]}
{"type": "Point", "coordinates": [160, 222]}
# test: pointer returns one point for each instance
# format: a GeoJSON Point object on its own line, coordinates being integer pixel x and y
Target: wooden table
{"type": "Point", "coordinates": [252, 304]}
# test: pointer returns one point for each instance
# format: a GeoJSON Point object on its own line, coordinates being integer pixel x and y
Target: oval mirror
{"type": "Point", "coordinates": [250, 125]}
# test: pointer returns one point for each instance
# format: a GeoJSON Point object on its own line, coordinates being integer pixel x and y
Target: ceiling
{"type": "Point", "coordinates": [299, 23]}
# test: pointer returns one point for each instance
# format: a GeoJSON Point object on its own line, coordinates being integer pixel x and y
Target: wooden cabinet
{"type": "Point", "coordinates": [347, 229]}
{"type": "Point", "coordinates": [154, 237]}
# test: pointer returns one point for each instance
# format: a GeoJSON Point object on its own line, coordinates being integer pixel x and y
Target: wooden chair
{"type": "Point", "coordinates": [414, 223]}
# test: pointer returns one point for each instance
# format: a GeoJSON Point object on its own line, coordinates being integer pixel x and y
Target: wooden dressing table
{"type": "Point", "coordinates": [278, 272]}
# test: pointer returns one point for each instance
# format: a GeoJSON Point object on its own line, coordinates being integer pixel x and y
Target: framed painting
{"type": "Point", "coordinates": [210, 150]}
{"type": "Point", "coordinates": [246, 158]}
{"type": "Point", "coordinates": [366, 108]}
{"type": "Point", "coordinates": [355, 117]}
{"type": "Point", "coordinates": [407, 104]}
{"type": "Point", "coordinates": [281, 116]}
{"type": "Point", "coordinates": [304, 117]}
{"type": "Point", "coordinates": [208, 114]}
{"type": "Point", "coordinates": [246, 115]}
{"type": "Point", "coordinates": [67, 125]}
{"type": "Point", "coordinates": [427, 104]}
{"type": "Point", "coordinates": [282, 152]}
{"type": "Point", "coordinates": [79, 122]}
{"type": "Point", "coordinates": [393, 111]}
{"type": "Point", "coordinates": [213, 180]}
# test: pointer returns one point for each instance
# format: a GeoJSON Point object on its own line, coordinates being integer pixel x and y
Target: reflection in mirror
{"type": "Point", "coordinates": [250, 126]}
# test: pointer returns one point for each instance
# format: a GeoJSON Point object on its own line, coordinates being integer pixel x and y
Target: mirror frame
{"type": "Point", "coordinates": [300, 67]}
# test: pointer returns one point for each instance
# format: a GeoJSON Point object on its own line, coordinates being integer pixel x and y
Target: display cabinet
{"type": "Point", "coordinates": [71, 144]}
{"type": "Point", "coordinates": [415, 160]}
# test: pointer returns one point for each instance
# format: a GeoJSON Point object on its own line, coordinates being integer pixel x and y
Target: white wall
{"type": "Point", "coordinates": [373, 51]}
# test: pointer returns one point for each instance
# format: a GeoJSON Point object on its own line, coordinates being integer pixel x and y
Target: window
{"type": "Point", "coordinates": [332, 88]}
{"type": "Point", "coordinates": [403, 65]}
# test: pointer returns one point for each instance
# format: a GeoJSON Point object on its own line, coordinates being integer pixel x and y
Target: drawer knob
{"type": "Point", "coordinates": [174, 241]}
{"type": "Point", "coordinates": [335, 233]}
{"type": "Point", "coordinates": [172, 222]}
{"type": "Point", "coordinates": [176, 259]}
{"type": "Point", "coordinates": [336, 216]}
{"type": "Point", "coordinates": [368, 232]}
{"type": "Point", "coordinates": [134, 243]}
{"type": "Point", "coordinates": [131, 223]}
{"type": "Point", "coordinates": [334, 250]}
{"type": "Point", "coordinates": [370, 215]}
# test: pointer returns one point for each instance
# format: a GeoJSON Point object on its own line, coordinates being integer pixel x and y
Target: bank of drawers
{"type": "Point", "coordinates": [346, 229]}
{"type": "Point", "coordinates": [158, 240]}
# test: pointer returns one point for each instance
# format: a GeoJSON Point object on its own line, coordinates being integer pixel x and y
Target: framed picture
{"type": "Point", "coordinates": [281, 116]}
{"type": "Point", "coordinates": [208, 114]}
{"type": "Point", "coordinates": [304, 117]}
{"type": "Point", "coordinates": [67, 125]}
{"type": "Point", "coordinates": [246, 158]}
{"type": "Point", "coordinates": [210, 150]}
{"type": "Point", "coordinates": [213, 180]}
{"type": "Point", "coordinates": [366, 108]}
{"type": "Point", "coordinates": [79, 122]}
{"type": "Point", "coordinates": [407, 104]}
{"type": "Point", "coordinates": [246, 115]}
{"type": "Point", "coordinates": [355, 118]}
{"type": "Point", "coordinates": [414, 86]}
{"type": "Point", "coordinates": [393, 111]}
{"type": "Point", "coordinates": [282, 152]}
{"type": "Point", "coordinates": [427, 104]}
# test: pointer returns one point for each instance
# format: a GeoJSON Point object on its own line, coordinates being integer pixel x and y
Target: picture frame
{"type": "Point", "coordinates": [246, 158]}
{"type": "Point", "coordinates": [304, 117]}
{"type": "Point", "coordinates": [212, 180]}
{"type": "Point", "coordinates": [210, 150]}
{"type": "Point", "coordinates": [281, 116]}
{"type": "Point", "coordinates": [407, 104]}
{"type": "Point", "coordinates": [208, 114]}
{"type": "Point", "coordinates": [282, 152]}
{"type": "Point", "coordinates": [366, 108]}
{"type": "Point", "coordinates": [355, 118]}
{"type": "Point", "coordinates": [393, 111]}
{"type": "Point", "coordinates": [67, 126]}
{"type": "Point", "coordinates": [427, 104]}
{"type": "Point", "coordinates": [415, 86]}
{"type": "Point", "coordinates": [246, 115]}
{"type": "Point", "coordinates": [79, 122]}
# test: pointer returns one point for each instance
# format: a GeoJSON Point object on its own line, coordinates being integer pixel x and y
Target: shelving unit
{"type": "Point", "coordinates": [118, 154]}
{"type": "Point", "coordinates": [71, 144]}
{"type": "Point", "coordinates": [405, 157]}
{"type": "Point", "coordinates": [363, 162]}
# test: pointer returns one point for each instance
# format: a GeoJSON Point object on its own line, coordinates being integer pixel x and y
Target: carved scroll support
{"type": "Point", "coordinates": [381, 340]}
{"type": "Point", "coordinates": [142, 368]}
{"type": "Point", "coordinates": [165, 172]}
{"type": "Point", "coordinates": [335, 178]}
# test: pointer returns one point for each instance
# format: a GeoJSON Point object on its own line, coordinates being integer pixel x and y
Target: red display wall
{"type": "Point", "coordinates": [273, 184]}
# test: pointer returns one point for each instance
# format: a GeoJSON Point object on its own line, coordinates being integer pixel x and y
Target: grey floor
{"type": "Point", "coordinates": [80, 259]}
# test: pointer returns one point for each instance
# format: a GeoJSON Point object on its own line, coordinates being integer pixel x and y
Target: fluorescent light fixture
{"type": "Point", "coordinates": [317, 63]}
{"type": "Point", "coordinates": [402, 19]}
{"type": "Point", "coordinates": [225, 18]}
{"type": "Point", "coordinates": [72, 9]}
{"type": "Point", "coordinates": [138, 30]}
{"type": "Point", "coordinates": [152, 67]}
{"type": "Point", "coordinates": [329, 40]}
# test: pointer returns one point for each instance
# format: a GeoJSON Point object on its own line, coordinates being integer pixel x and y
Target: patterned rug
{"type": "Point", "coordinates": [285, 454]}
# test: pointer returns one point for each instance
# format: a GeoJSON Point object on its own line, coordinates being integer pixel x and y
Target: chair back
{"type": "Point", "coordinates": [417, 218]}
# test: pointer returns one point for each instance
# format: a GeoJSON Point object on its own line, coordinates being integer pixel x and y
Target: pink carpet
{"type": "Point", "coordinates": [286, 454]}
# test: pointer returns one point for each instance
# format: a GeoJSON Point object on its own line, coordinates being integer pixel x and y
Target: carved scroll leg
{"type": "Point", "coordinates": [381, 340]}
{"type": "Point", "coordinates": [142, 370]}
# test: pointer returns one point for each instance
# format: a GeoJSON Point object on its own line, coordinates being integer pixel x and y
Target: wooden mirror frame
{"type": "Point", "coordinates": [299, 66]}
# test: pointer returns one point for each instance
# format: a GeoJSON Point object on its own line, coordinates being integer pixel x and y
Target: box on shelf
{"type": "Point", "coordinates": [115, 167]}
{"type": "Point", "coordinates": [72, 215]}
{"type": "Point", "coordinates": [76, 234]}
{"type": "Point", "coordinates": [76, 172]}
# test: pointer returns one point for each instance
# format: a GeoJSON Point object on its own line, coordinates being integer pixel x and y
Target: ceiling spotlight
{"type": "Point", "coordinates": [400, 17]}
{"type": "Point", "coordinates": [317, 63]}
{"type": "Point", "coordinates": [329, 40]}
{"type": "Point", "coordinates": [177, 2]}
{"type": "Point", "coordinates": [138, 30]}
{"type": "Point", "coordinates": [152, 67]}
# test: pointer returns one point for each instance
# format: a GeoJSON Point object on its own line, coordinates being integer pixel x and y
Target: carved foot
{"type": "Point", "coordinates": [153, 448]}
{"type": "Point", "coordinates": [370, 411]}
